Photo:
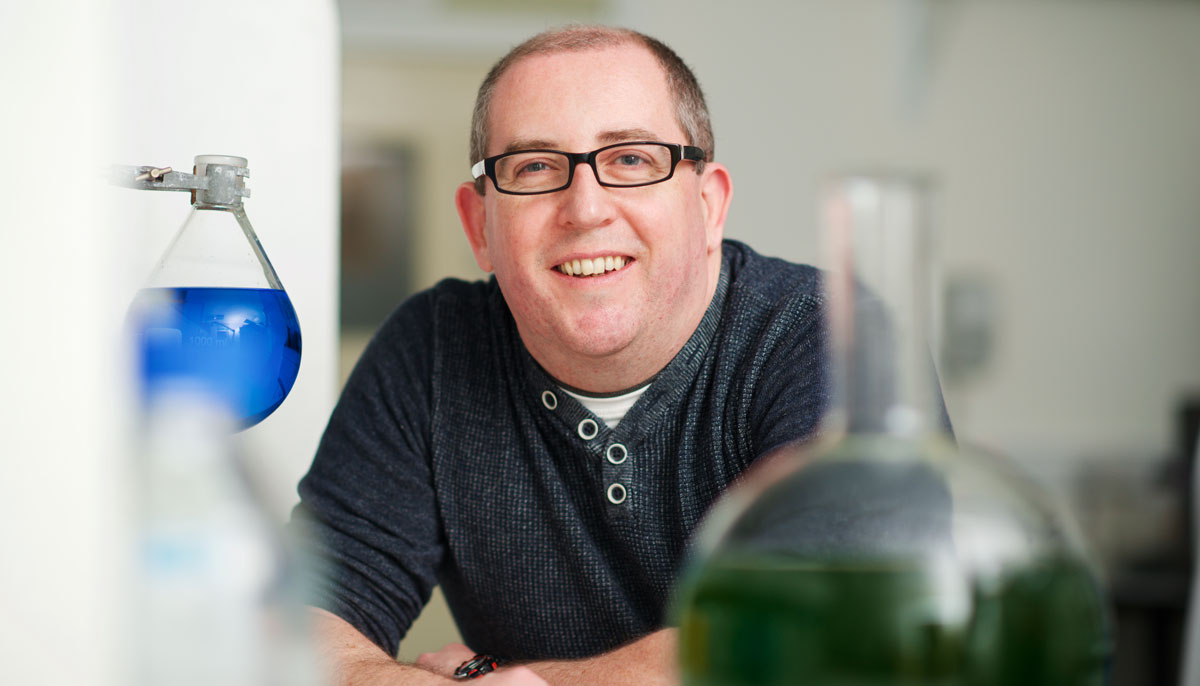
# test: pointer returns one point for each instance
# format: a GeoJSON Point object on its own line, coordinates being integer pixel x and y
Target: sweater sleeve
{"type": "Point", "coordinates": [367, 512]}
{"type": "Point", "coordinates": [792, 392]}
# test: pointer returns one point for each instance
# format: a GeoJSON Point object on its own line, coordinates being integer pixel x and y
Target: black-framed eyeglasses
{"type": "Point", "coordinates": [621, 165]}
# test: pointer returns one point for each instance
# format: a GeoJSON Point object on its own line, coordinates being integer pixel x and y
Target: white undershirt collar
{"type": "Point", "coordinates": [610, 408]}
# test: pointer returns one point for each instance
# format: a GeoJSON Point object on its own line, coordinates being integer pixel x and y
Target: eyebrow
{"type": "Point", "coordinates": [605, 138]}
{"type": "Point", "coordinates": [529, 144]}
{"type": "Point", "coordinates": [634, 134]}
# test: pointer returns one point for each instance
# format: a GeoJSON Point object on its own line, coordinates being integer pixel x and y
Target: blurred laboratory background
{"type": "Point", "coordinates": [1062, 137]}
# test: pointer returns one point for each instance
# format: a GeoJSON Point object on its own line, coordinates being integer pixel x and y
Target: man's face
{"type": "Point", "coordinates": [668, 234]}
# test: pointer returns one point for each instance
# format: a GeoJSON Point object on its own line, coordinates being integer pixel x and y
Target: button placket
{"type": "Point", "coordinates": [617, 475]}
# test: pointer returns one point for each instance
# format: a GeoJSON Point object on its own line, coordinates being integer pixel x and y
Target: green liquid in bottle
{"type": "Point", "coordinates": [776, 621]}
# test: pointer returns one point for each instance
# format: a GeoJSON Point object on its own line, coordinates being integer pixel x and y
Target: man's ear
{"type": "Point", "coordinates": [472, 214]}
{"type": "Point", "coordinates": [716, 191]}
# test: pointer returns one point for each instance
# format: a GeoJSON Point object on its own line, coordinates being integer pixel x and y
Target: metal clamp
{"type": "Point", "coordinates": [156, 179]}
{"type": "Point", "coordinates": [221, 181]}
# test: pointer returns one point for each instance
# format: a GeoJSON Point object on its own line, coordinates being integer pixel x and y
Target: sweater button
{"type": "Point", "coordinates": [588, 429]}
{"type": "Point", "coordinates": [616, 494]}
{"type": "Point", "coordinates": [616, 453]}
{"type": "Point", "coordinates": [549, 400]}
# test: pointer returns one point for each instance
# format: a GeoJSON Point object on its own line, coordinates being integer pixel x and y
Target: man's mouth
{"type": "Point", "coordinates": [593, 267]}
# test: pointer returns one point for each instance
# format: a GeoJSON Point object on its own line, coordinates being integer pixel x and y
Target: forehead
{"type": "Point", "coordinates": [576, 100]}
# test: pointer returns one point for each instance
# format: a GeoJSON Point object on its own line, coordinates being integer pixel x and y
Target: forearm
{"type": "Point", "coordinates": [352, 659]}
{"type": "Point", "coordinates": [648, 661]}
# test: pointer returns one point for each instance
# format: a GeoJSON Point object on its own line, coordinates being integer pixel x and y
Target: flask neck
{"type": "Point", "coordinates": [215, 248]}
{"type": "Point", "coordinates": [880, 305]}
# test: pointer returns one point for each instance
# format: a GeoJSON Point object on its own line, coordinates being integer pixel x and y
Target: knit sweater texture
{"type": "Point", "coordinates": [453, 458]}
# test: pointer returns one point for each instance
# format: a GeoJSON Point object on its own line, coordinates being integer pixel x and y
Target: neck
{"type": "Point", "coordinates": [611, 373]}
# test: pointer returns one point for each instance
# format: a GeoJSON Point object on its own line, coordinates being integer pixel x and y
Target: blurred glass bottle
{"type": "Point", "coordinates": [884, 554]}
{"type": "Point", "coordinates": [213, 310]}
{"type": "Point", "coordinates": [218, 594]}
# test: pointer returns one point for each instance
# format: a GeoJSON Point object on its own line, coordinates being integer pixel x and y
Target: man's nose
{"type": "Point", "coordinates": [585, 203]}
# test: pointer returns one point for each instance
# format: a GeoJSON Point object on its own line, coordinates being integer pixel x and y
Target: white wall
{"type": "Point", "coordinates": [86, 85]}
{"type": "Point", "coordinates": [60, 396]}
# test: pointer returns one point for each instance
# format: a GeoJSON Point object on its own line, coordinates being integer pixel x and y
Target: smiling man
{"type": "Point", "coordinates": [544, 443]}
{"type": "Point", "coordinates": [611, 330]}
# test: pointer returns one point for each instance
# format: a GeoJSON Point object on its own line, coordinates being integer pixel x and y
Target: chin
{"type": "Point", "coordinates": [597, 345]}
{"type": "Point", "coordinates": [604, 348]}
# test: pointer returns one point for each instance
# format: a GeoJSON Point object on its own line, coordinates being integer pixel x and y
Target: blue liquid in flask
{"type": "Point", "coordinates": [241, 345]}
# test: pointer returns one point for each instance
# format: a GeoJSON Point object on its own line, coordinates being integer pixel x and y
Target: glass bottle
{"type": "Point", "coordinates": [213, 314]}
{"type": "Point", "coordinates": [218, 593]}
{"type": "Point", "coordinates": [884, 554]}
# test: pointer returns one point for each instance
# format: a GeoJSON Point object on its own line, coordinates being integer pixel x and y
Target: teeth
{"type": "Point", "coordinates": [589, 267]}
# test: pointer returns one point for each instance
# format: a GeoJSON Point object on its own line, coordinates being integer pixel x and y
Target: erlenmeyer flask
{"type": "Point", "coordinates": [213, 315]}
{"type": "Point", "coordinates": [885, 554]}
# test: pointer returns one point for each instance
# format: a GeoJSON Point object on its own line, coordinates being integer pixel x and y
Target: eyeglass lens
{"type": "Point", "coordinates": [626, 165]}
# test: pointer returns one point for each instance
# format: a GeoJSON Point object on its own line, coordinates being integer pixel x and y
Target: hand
{"type": "Point", "coordinates": [446, 660]}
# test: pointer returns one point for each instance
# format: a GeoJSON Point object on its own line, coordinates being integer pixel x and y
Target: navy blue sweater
{"type": "Point", "coordinates": [453, 458]}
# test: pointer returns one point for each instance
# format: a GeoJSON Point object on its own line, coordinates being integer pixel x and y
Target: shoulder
{"type": "Point", "coordinates": [427, 321]}
{"type": "Point", "coordinates": [476, 292]}
{"type": "Point", "coordinates": [768, 281]}
{"type": "Point", "coordinates": [444, 304]}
